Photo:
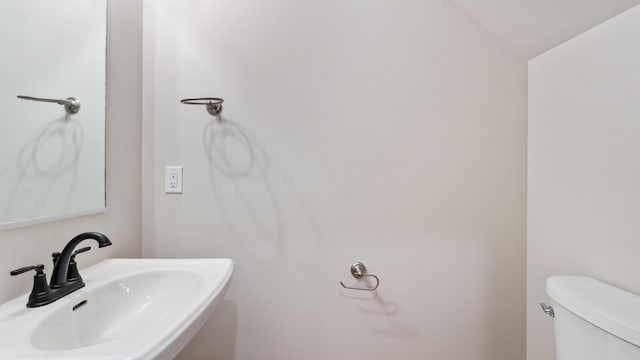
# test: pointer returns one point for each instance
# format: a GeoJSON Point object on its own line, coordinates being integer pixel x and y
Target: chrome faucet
{"type": "Point", "coordinates": [65, 278]}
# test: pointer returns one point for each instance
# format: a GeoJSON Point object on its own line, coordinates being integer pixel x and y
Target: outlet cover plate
{"type": "Point", "coordinates": [173, 179]}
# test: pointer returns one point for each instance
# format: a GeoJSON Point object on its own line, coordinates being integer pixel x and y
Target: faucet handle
{"type": "Point", "coordinates": [80, 251]}
{"type": "Point", "coordinates": [38, 268]}
{"type": "Point", "coordinates": [55, 256]}
{"type": "Point", "coordinates": [40, 293]}
{"type": "Point", "coordinates": [72, 273]}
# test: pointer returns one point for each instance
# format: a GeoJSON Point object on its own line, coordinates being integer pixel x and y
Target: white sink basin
{"type": "Point", "coordinates": [129, 309]}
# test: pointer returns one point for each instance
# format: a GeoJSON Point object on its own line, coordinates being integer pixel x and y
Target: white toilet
{"type": "Point", "coordinates": [593, 320]}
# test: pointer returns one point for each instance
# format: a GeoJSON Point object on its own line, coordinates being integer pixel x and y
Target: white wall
{"type": "Point", "coordinates": [121, 221]}
{"type": "Point", "coordinates": [393, 134]}
{"type": "Point", "coordinates": [584, 168]}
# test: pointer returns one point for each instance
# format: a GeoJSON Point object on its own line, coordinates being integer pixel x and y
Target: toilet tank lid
{"type": "Point", "coordinates": [614, 310]}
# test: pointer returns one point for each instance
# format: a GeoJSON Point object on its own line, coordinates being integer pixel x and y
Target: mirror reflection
{"type": "Point", "coordinates": [52, 153]}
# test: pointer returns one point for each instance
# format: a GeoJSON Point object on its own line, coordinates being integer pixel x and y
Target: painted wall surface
{"type": "Point", "coordinates": [584, 173]}
{"type": "Point", "coordinates": [352, 130]}
{"type": "Point", "coordinates": [121, 221]}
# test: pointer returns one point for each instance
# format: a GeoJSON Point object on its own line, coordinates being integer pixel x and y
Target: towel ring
{"type": "Point", "coordinates": [71, 104]}
{"type": "Point", "coordinates": [213, 104]}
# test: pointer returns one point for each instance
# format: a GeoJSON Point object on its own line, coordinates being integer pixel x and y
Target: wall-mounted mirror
{"type": "Point", "coordinates": [52, 161]}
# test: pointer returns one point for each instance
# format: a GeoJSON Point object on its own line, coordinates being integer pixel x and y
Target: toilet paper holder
{"type": "Point", "coordinates": [359, 271]}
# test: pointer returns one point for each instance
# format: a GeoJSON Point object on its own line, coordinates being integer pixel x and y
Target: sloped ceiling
{"type": "Point", "coordinates": [531, 27]}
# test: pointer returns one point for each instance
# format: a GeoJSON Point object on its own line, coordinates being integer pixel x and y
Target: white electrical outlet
{"type": "Point", "coordinates": [173, 179]}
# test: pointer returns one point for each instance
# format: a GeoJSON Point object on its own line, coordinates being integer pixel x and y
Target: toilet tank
{"type": "Point", "coordinates": [593, 320]}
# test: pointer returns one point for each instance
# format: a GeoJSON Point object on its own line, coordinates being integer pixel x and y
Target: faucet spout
{"type": "Point", "coordinates": [59, 274]}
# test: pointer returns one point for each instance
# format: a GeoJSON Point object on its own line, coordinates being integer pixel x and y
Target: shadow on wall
{"type": "Point", "coordinates": [384, 312]}
{"type": "Point", "coordinates": [48, 157]}
{"type": "Point", "coordinates": [222, 326]}
{"type": "Point", "coordinates": [248, 189]}
{"type": "Point", "coordinates": [392, 327]}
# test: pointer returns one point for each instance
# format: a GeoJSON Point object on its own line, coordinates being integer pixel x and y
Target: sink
{"type": "Point", "coordinates": [130, 309]}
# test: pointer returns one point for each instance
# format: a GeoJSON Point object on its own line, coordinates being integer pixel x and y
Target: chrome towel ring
{"type": "Point", "coordinates": [71, 104]}
{"type": "Point", "coordinates": [213, 104]}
